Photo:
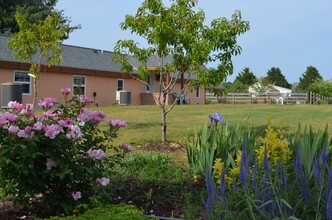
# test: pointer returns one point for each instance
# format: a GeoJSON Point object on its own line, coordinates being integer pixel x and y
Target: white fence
{"type": "Point", "coordinates": [268, 98]}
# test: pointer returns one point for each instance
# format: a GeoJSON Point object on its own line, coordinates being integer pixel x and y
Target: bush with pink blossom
{"type": "Point", "coordinates": [58, 155]}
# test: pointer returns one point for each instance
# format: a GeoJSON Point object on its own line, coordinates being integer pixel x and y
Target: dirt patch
{"type": "Point", "coordinates": [166, 147]}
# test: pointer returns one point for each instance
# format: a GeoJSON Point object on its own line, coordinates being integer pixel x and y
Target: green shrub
{"type": "Point", "coordinates": [114, 212]}
{"type": "Point", "coordinates": [153, 168]}
{"type": "Point", "coordinates": [58, 156]}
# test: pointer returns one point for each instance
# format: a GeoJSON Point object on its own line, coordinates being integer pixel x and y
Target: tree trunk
{"type": "Point", "coordinates": [163, 119]}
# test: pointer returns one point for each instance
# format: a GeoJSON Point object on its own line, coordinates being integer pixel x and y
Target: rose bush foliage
{"type": "Point", "coordinates": [58, 155]}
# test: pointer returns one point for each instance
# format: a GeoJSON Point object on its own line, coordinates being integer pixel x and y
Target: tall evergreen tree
{"type": "Point", "coordinates": [34, 10]}
{"type": "Point", "coordinates": [275, 76]}
{"type": "Point", "coordinates": [309, 77]}
{"type": "Point", "coordinates": [246, 77]}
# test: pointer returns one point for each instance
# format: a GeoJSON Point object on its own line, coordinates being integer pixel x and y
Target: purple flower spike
{"type": "Point", "coordinates": [218, 118]}
{"type": "Point", "coordinates": [329, 206]}
{"type": "Point", "coordinates": [317, 172]}
{"type": "Point", "coordinates": [323, 155]}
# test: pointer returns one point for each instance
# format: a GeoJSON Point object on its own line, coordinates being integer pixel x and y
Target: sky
{"type": "Point", "coordinates": [288, 34]}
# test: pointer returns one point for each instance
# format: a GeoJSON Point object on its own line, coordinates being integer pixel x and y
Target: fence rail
{"type": "Point", "coordinates": [268, 98]}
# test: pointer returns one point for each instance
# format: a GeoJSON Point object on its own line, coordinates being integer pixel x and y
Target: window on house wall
{"type": "Point", "coordinates": [79, 85]}
{"type": "Point", "coordinates": [24, 79]}
{"type": "Point", "coordinates": [197, 92]}
{"type": "Point", "coordinates": [120, 85]}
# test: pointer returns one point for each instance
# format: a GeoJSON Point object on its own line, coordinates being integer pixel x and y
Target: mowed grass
{"type": "Point", "coordinates": [144, 121]}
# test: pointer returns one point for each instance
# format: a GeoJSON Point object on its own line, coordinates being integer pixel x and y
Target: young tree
{"type": "Point", "coordinates": [246, 77]}
{"type": "Point", "coordinates": [182, 43]}
{"type": "Point", "coordinates": [39, 40]}
{"type": "Point", "coordinates": [275, 76]}
{"type": "Point", "coordinates": [321, 87]}
{"type": "Point", "coordinates": [34, 10]}
{"type": "Point", "coordinates": [309, 77]}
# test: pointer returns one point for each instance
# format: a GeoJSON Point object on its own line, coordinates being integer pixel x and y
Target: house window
{"type": "Point", "coordinates": [120, 85]}
{"type": "Point", "coordinates": [24, 79]}
{"type": "Point", "coordinates": [79, 85]}
{"type": "Point", "coordinates": [197, 92]}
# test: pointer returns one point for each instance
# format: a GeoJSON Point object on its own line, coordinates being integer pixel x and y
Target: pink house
{"type": "Point", "coordinates": [88, 72]}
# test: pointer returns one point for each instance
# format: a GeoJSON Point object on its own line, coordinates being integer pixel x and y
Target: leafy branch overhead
{"type": "Point", "coordinates": [179, 31]}
{"type": "Point", "coordinates": [37, 41]}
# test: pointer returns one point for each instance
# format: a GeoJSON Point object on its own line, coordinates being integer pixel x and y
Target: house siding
{"type": "Point", "coordinates": [100, 72]}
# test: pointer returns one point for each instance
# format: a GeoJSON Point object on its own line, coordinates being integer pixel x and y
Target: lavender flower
{"type": "Point", "coordinates": [329, 206]}
{"type": "Point", "coordinates": [223, 185]}
{"type": "Point", "coordinates": [298, 164]}
{"type": "Point", "coordinates": [211, 192]}
{"type": "Point", "coordinates": [304, 189]}
{"type": "Point", "coordinates": [235, 188]}
{"type": "Point", "coordinates": [330, 178]}
{"type": "Point", "coordinates": [217, 118]}
{"type": "Point", "coordinates": [283, 177]}
{"type": "Point", "coordinates": [254, 174]}
{"type": "Point", "coordinates": [323, 154]}
{"type": "Point", "coordinates": [317, 172]}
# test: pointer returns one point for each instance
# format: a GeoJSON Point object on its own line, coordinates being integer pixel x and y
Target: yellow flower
{"type": "Point", "coordinates": [217, 167]}
{"type": "Point", "coordinates": [276, 147]}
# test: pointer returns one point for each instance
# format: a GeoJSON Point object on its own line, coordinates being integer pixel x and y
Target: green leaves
{"type": "Point", "coordinates": [41, 39]}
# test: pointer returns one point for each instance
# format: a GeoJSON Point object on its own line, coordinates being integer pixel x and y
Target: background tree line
{"type": "Point", "coordinates": [310, 80]}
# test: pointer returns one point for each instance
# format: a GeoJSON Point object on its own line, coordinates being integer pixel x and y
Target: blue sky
{"type": "Point", "coordinates": [287, 34]}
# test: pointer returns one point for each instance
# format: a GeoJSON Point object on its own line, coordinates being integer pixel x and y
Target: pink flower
{"type": "Point", "coordinates": [75, 133]}
{"type": "Point", "coordinates": [38, 126]}
{"type": "Point", "coordinates": [87, 100]}
{"type": "Point", "coordinates": [3, 120]}
{"type": "Point", "coordinates": [76, 195]}
{"type": "Point", "coordinates": [65, 91]}
{"type": "Point", "coordinates": [127, 147]}
{"type": "Point", "coordinates": [53, 130]}
{"type": "Point", "coordinates": [50, 163]}
{"type": "Point", "coordinates": [29, 107]}
{"type": "Point", "coordinates": [26, 133]}
{"type": "Point", "coordinates": [11, 117]}
{"type": "Point", "coordinates": [117, 123]}
{"type": "Point", "coordinates": [48, 113]}
{"type": "Point", "coordinates": [97, 154]}
{"type": "Point", "coordinates": [13, 129]}
{"type": "Point", "coordinates": [15, 104]}
{"type": "Point", "coordinates": [66, 123]}
{"type": "Point", "coordinates": [46, 103]}
{"type": "Point", "coordinates": [103, 181]}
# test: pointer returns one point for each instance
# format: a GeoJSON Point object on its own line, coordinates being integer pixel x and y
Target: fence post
{"type": "Point", "coordinates": [268, 97]}
{"type": "Point", "coordinates": [250, 98]}
{"type": "Point", "coordinates": [233, 97]}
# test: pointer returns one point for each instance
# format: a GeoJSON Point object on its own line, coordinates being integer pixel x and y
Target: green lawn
{"type": "Point", "coordinates": [144, 121]}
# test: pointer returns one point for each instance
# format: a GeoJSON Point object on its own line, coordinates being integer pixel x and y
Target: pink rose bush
{"type": "Point", "coordinates": [58, 152]}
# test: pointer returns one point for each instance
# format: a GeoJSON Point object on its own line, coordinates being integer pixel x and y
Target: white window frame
{"type": "Point", "coordinates": [117, 84]}
{"type": "Point", "coordinates": [84, 86]}
{"type": "Point", "coordinates": [20, 82]}
{"type": "Point", "coordinates": [198, 92]}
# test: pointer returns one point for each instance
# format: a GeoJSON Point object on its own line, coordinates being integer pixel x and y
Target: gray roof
{"type": "Point", "coordinates": [85, 58]}
{"type": "Point", "coordinates": [78, 57]}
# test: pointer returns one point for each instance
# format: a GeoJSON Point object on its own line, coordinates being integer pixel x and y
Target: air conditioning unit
{"type": "Point", "coordinates": [124, 98]}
